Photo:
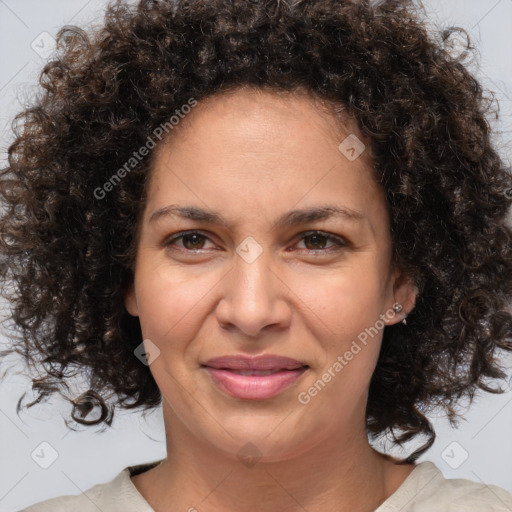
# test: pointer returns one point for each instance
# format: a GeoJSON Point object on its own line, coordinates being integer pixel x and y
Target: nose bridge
{"type": "Point", "coordinates": [251, 284]}
{"type": "Point", "coordinates": [251, 299]}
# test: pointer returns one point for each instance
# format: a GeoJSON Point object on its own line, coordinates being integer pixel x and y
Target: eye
{"type": "Point", "coordinates": [316, 241]}
{"type": "Point", "coordinates": [191, 240]}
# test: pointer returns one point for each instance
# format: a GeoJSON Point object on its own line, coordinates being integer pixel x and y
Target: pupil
{"type": "Point", "coordinates": [316, 237]}
{"type": "Point", "coordinates": [196, 239]}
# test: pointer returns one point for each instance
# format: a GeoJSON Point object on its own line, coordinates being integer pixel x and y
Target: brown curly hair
{"type": "Point", "coordinates": [68, 257]}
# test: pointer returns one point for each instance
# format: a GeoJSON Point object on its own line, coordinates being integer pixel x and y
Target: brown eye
{"type": "Point", "coordinates": [317, 241]}
{"type": "Point", "coordinates": [191, 241]}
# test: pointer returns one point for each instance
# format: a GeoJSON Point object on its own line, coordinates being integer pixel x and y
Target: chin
{"type": "Point", "coordinates": [262, 438]}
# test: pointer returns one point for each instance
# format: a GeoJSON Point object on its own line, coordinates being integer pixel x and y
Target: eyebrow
{"type": "Point", "coordinates": [292, 218]}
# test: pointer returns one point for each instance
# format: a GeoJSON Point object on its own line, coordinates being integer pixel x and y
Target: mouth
{"type": "Point", "coordinates": [255, 372]}
{"type": "Point", "coordinates": [256, 378]}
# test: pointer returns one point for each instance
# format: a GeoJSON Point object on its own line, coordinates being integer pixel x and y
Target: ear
{"type": "Point", "coordinates": [130, 301]}
{"type": "Point", "coordinates": [404, 293]}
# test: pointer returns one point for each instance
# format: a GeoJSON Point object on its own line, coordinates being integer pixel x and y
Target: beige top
{"type": "Point", "coordinates": [424, 490]}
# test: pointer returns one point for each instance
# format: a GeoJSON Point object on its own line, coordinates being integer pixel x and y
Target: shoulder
{"type": "Point", "coordinates": [99, 497]}
{"type": "Point", "coordinates": [426, 489]}
{"type": "Point", "coordinates": [117, 495]}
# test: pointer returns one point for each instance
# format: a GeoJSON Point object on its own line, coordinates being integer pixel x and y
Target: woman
{"type": "Point", "coordinates": [285, 222]}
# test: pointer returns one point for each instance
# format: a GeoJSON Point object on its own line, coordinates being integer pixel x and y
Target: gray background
{"type": "Point", "coordinates": [481, 449]}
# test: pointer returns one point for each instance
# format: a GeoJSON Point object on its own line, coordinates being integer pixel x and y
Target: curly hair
{"type": "Point", "coordinates": [68, 254]}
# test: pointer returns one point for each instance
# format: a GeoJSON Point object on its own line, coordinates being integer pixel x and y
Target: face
{"type": "Point", "coordinates": [260, 237]}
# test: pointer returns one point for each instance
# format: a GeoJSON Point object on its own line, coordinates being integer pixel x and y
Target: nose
{"type": "Point", "coordinates": [254, 298]}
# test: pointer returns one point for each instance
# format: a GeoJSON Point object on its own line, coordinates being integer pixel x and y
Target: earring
{"type": "Point", "coordinates": [397, 308]}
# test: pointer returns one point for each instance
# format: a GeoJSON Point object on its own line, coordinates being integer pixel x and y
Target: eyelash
{"type": "Point", "coordinates": [330, 238]}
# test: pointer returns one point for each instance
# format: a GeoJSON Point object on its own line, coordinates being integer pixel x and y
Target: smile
{"type": "Point", "coordinates": [254, 384]}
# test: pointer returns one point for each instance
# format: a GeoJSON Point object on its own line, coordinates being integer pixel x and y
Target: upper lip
{"type": "Point", "coordinates": [262, 362]}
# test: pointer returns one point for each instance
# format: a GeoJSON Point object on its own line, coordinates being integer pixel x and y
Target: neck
{"type": "Point", "coordinates": [338, 474]}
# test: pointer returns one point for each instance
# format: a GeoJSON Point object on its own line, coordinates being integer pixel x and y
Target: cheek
{"type": "Point", "coordinates": [342, 302]}
{"type": "Point", "coordinates": [343, 308]}
{"type": "Point", "coordinates": [169, 302]}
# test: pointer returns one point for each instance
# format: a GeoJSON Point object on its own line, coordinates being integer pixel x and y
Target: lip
{"type": "Point", "coordinates": [280, 373]}
{"type": "Point", "coordinates": [261, 362]}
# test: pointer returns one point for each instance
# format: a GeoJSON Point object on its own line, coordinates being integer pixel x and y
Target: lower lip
{"type": "Point", "coordinates": [254, 387]}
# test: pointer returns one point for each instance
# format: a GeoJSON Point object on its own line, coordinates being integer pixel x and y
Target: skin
{"type": "Point", "coordinates": [252, 156]}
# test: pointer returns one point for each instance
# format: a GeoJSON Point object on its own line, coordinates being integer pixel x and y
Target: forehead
{"type": "Point", "coordinates": [261, 114]}
{"type": "Point", "coordinates": [261, 151]}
